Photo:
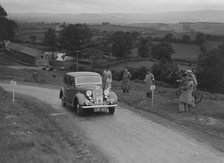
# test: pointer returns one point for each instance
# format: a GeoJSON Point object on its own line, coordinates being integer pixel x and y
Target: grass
{"type": "Point", "coordinates": [29, 134]}
{"type": "Point", "coordinates": [206, 118]}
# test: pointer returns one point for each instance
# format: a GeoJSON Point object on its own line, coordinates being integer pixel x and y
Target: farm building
{"type": "Point", "coordinates": [27, 55]}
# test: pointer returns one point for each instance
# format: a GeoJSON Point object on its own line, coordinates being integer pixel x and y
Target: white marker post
{"type": "Point", "coordinates": [153, 87]}
{"type": "Point", "coordinates": [13, 84]}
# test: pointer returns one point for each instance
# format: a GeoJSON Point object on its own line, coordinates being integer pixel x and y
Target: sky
{"type": "Point", "coordinates": [108, 6]}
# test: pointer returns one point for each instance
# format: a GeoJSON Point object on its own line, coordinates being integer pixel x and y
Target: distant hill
{"type": "Point", "coordinates": [119, 18]}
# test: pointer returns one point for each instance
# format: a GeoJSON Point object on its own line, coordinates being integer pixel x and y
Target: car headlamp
{"type": "Point", "coordinates": [89, 93]}
{"type": "Point", "coordinates": [106, 92]}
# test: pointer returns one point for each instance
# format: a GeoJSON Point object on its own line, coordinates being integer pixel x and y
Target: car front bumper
{"type": "Point", "coordinates": [99, 106]}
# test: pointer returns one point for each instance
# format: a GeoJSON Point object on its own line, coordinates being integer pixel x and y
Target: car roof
{"type": "Point", "coordinates": [82, 73]}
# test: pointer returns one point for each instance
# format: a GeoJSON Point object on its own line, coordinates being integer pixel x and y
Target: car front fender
{"type": "Point", "coordinates": [113, 96]}
{"type": "Point", "coordinates": [80, 99]}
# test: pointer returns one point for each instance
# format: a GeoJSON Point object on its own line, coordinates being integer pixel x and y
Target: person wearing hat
{"type": "Point", "coordinates": [186, 93]}
{"type": "Point", "coordinates": [126, 78]}
{"type": "Point", "coordinates": [149, 79]}
{"type": "Point", "coordinates": [106, 78]}
{"type": "Point", "coordinates": [192, 77]}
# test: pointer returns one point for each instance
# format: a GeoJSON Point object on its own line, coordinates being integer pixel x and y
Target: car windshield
{"type": "Point", "coordinates": [88, 80]}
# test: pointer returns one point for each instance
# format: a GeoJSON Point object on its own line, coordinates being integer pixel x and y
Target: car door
{"type": "Point", "coordinates": [71, 91]}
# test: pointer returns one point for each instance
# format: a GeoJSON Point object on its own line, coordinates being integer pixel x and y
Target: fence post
{"type": "Point", "coordinates": [153, 87]}
{"type": "Point", "coordinates": [13, 84]}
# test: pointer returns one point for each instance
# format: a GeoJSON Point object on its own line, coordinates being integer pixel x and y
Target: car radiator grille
{"type": "Point", "coordinates": [98, 96]}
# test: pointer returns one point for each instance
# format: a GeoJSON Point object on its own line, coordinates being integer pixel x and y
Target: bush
{"type": "Point", "coordinates": [166, 71]}
{"type": "Point", "coordinates": [210, 70]}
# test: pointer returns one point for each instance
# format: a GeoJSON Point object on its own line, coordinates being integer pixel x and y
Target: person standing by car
{"type": "Point", "coordinates": [107, 78]}
{"type": "Point", "coordinates": [125, 85]}
{"type": "Point", "coordinates": [149, 79]}
{"type": "Point", "coordinates": [186, 93]}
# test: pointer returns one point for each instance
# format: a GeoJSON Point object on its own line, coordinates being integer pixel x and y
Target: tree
{"type": "Point", "coordinates": [50, 38]}
{"type": "Point", "coordinates": [165, 71]}
{"type": "Point", "coordinates": [200, 38]}
{"type": "Point", "coordinates": [3, 13]}
{"type": "Point", "coordinates": [73, 37]}
{"type": "Point", "coordinates": [33, 38]}
{"type": "Point", "coordinates": [7, 26]}
{"type": "Point", "coordinates": [186, 38]}
{"type": "Point", "coordinates": [122, 43]}
{"type": "Point", "coordinates": [162, 50]}
{"type": "Point", "coordinates": [210, 72]}
{"type": "Point", "coordinates": [145, 46]}
{"type": "Point", "coordinates": [168, 37]}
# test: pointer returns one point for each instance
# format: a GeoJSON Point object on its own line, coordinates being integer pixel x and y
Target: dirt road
{"type": "Point", "coordinates": [127, 136]}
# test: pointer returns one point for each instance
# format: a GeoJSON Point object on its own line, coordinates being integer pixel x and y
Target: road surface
{"type": "Point", "coordinates": [127, 136]}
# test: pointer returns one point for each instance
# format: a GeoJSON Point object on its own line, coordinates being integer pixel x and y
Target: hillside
{"type": "Point", "coordinates": [121, 18]}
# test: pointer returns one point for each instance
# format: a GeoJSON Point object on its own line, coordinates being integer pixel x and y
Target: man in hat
{"type": "Point", "coordinates": [107, 78]}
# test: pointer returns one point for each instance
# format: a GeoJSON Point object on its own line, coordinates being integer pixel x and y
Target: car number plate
{"type": "Point", "coordinates": [96, 109]}
{"type": "Point", "coordinates": [100, 109]}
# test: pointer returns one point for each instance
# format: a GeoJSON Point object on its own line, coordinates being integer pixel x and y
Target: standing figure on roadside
{"type": "Point", "coordinates": [191, 76]}
{"type": "Point", "coordinates": [149, 80]}
{"type": "Point", "coordinates": [107, 78]}
{"type": "Point", "coordinates": [35, 76]}
{"type": "Point", "coordinates": [186, 93]}
{"type": "Point", "coordinates": [125, 85]}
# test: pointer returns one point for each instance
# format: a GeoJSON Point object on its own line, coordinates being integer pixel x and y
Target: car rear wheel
{"type": "Point", "coordinates": [111, 110]}
{"type": "Point", "coordinates": [63, 103]}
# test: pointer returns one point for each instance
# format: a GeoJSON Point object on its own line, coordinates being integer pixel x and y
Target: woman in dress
{"type": "Point", "coordinates": [149, 78]}
{"type": "Point", "coordinates": [185, 99]}
{"type": "Point", "coordinates": [125, 85]}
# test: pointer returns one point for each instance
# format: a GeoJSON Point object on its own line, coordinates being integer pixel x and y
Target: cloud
{"type": "Point", "coordinates": [108, 6]}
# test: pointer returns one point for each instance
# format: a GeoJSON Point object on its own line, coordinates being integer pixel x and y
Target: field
{"type": "Point", "coordinates": [188, 52]}
{"type": "Point", "coordinates": [185, 51]}
{"type": "Point", "coordinates": [24, 35]}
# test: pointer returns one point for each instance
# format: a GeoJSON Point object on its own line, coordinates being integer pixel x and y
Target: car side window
{"type": "Point", "coordinates": [71, 81]}
{"type": "Point", "coordinates": [66, 80]}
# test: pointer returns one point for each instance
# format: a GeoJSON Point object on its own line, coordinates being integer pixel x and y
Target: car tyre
{"type": "Point", "coordinates": [79, 110]}
{"type": "Point", "coordinates": [63, 103]}
{"type": "Point", "coordinates": [111, 110]}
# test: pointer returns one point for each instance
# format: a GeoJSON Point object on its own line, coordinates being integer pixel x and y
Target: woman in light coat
{"type": "Point", "coordinates": [149, 78]}
{"type": "Point", "coordinates": [125, 85]}
{"type": "Point", "coordinates": [185, 99]}
{"type": "Point", "coordinates": [107, 79]}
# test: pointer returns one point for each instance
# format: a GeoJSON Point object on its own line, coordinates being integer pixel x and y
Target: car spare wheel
{"type": "Point", "coordinates": [111, 110]}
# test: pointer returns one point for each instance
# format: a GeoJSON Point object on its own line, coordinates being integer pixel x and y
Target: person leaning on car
{"type": "Point", "coordinates": [107, 78]}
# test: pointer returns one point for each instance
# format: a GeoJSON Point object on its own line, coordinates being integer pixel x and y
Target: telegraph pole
{"type": "Point", "coordinates": [77, 60]}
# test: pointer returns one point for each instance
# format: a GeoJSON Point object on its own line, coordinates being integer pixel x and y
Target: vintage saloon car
{"type": "Point", "coordinates": [83, 91]}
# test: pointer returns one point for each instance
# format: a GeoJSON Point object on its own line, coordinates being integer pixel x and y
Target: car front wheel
{"type": "Point", "coordinates": [111, 110]}
{"type": "Point", "coordinates": [63, 103]}
{"type": "Point", "coordinates": [79, 110]}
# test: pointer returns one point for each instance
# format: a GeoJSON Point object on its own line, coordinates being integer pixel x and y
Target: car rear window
{"type": "Point", "coordinates": [88, 80]}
